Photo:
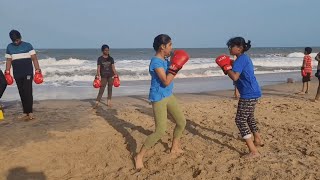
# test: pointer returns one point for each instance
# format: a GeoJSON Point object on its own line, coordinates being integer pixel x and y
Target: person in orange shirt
{"type": "Point", "coordinates": [306, 70]}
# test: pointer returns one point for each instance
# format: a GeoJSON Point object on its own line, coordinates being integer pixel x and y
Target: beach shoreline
{"type": "Point", "coordinates": [141, 87]}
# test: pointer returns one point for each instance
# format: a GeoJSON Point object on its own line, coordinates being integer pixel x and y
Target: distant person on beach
{"type": "Point", "coordinates": [21, 56]}
{"type": "Point", "coordinates": [242, 72]}
{"type": "Point", "coordinates": [163, 101]}
{"type": "Point", "coordinates": [306, 71]}
{"type": "Point", "coordinates": [318, 76]}
{"type": "Point", "coordinates": [105, 71]}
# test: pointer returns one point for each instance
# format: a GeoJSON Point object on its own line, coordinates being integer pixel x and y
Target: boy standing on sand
{"type": "Point", "coordinates": [21, 55]}
{"type": "Point", "coordinates": [306, 70]}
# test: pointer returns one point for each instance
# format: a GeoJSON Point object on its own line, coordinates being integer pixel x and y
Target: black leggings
{"type": "Point", "coordinates": [3, 83]}
{"type": "Point", "coordinates": [245, 116]}
{"type": "Point", "coordinates": [25, 90]}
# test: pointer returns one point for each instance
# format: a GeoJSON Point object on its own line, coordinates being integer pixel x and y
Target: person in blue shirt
{"type": "Point", "coordinates": [242, 73]}
{"type": "Point", "coordinates": [162, 99]}
{"type": "Point", "coordinates": [22, 57]}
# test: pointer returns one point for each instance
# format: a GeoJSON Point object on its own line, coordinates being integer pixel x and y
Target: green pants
{"type": "Point", "coordinates": [160, 109]}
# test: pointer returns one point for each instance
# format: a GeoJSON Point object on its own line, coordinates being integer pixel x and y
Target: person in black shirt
{"type": "Point", "coordinates": [105, 71]}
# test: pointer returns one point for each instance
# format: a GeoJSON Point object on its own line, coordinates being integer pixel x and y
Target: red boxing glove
{"type": "Point", "coordinates": [232, 61]}
{"type": "Point", "coordinates": [224, 62]}
{"type": "Point", "coordinates": [8, 77]}
{"type": "Point", "coordinates": [116, 81]}
{"type": "Point", "coordinates": [97, 82]}
{"type": "Point", "coordinates": [38, 77]}
{"type": "Point", "coordinates": [179, 58]}
{"type": "Point", "coordinates": [303, 72]}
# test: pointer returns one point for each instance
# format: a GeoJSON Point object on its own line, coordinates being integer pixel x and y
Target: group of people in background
{"type": "Point", "coordinates": [22, 57]}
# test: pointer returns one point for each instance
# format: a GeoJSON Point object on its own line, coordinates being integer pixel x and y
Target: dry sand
{"type": "Point", "coordinates": [68, 141]}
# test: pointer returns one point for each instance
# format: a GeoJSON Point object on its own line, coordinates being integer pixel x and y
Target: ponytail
{"type": "Point", "coordinates": [241, 42]}
{"type": "Point", "coordinates": [247, 46]}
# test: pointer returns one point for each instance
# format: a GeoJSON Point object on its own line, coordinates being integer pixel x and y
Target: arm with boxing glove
{"type": "Point", "coordinates": [114, 70]}
{"type": "Point", "coordinates": [178, 59]}
{"type": "Point", "coordinates": [35, 63]}
{"type": "Point", "coordinates": [98, 72]}
{"type": "Point", "coordinates": [233, 75]}
{"type": "Point", "coordinates": [166, 79]}
{"type": "Point", "coordinates": [7, 74]}
{"type": "Point", "coordinates": [8, 64]}
{"type": "Point", "coordinates": [225, 64]}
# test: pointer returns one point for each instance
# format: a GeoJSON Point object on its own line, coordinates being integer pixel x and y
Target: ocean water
{"type": "Point", "coordinates": [77, 67]}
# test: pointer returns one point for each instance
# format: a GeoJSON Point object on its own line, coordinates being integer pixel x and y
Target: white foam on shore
{"type": "Point", "coordinates": [73, 71]}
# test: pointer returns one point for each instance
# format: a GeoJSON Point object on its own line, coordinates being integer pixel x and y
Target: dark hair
{"type": "Point", "coordinates": [308, 50]}
{"type": "Point", "coordinates": [14, 35]}
{"type": "Point", "coordinates": [103, 47]}
{"type": "Point", "coordinates": [160, 40]}
{"type": "Point", "coordinates": [239, 41]}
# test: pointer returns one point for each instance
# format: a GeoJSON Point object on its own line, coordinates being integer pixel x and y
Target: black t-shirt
{"type": "Point", "coordinates": [106, 66]}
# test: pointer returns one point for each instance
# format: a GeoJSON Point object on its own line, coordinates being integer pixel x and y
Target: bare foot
{"type": "Point", "coordinates": [30, 116]}
{"type": "Point", "coordinates": [95, 105]}
{"type": "Point", "coordinates": [301, 93]}
{"type": "Point", "coordinates": [23, 117]}
{"type": "Point", "coordinates": [176, 151]}
{"type": "Point", "coordinates": [109, 103]}
{"type": "Point", "coordinates": [251, 155]}
{"type": "Point", "coordinates": [258, 143]}
{"type": "Point", "coordinates": [138, 163]}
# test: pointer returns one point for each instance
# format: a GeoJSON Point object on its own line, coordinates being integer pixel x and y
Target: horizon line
{"type": "Point", "coordinates": [179, 47]}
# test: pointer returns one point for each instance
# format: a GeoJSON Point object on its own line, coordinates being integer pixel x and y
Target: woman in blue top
{"type": "Point", "coordinates": [162, 98]}
{"type": "Point", "coordinates": [242, 73]}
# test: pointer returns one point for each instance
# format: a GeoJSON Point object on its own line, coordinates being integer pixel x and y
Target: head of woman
{"type": "Point", "coordinates": [238, 45]}
{"type": "Point", "coordinates": [162, 44]}
{"type": "Point", "coordinates": [105, 50]}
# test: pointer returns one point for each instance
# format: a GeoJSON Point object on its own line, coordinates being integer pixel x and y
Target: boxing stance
{"type": "Point", "coordinates": [242, 72]}
{"type": "Point", "coordinates": [21, 55]}
{"type": "Point", "coordinates": [162, 74]}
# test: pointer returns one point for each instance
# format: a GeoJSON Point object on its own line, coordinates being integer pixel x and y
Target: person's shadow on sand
{"type": "Point", "coordinates": [21, 173]}
{"type": "Point", "coordinates": [122, 126]}
{"type": "Point", "coordinates": [192, 128]}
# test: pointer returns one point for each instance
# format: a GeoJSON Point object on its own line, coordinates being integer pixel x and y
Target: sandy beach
{"type": "Point", "coordinates": [67, 140]}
